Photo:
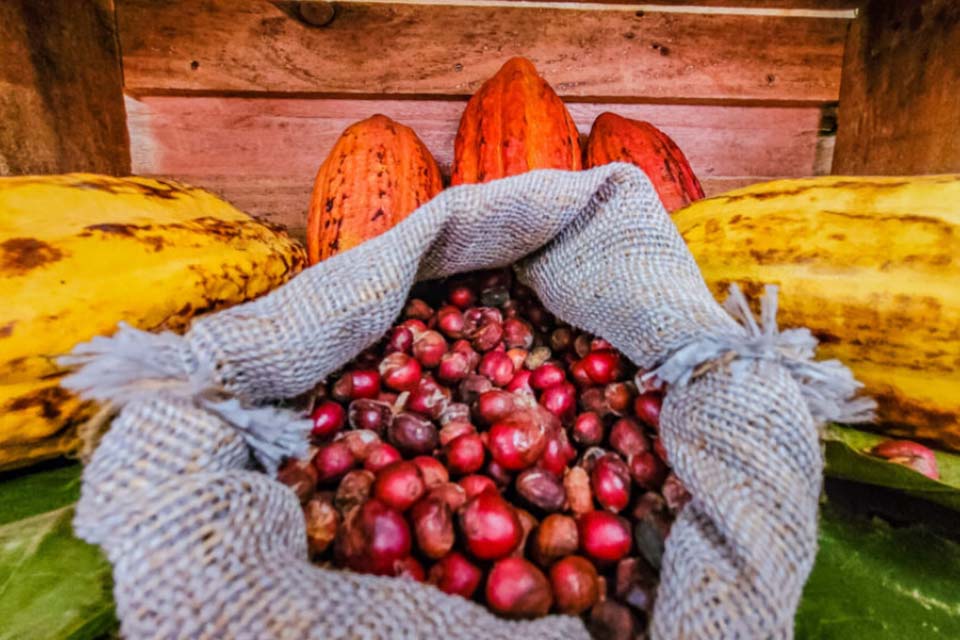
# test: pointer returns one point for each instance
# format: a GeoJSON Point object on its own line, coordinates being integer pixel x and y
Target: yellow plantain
{"type": "Point", "coordinates": [80, 253]}
{"type": "Point", "coordinates": [871, 265]}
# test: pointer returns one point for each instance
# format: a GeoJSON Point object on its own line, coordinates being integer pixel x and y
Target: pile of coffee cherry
{"type": "Point", "coordinates": [488, 449]}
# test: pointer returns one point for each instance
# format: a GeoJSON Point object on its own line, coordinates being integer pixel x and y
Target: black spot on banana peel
{"type": "Point", "coordinates": [47, 399]}
{"type": "Point", "coordinates": [110, 228]}
{"type": "Point", "coordinates": [20, 255]}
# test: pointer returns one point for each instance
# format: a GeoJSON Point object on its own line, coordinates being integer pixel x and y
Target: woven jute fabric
{"type": "Point", "coordinates": [205, 547]}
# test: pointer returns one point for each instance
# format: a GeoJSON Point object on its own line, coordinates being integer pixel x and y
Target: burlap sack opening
{"type": "Point", "coordinates": [204, 547]}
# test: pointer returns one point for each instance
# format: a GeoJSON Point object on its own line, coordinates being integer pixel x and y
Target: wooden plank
{"type": "Point", "coordinates": [783, 4]}
{"type": "Point", "coordinates": [284, 200]}
{"type": "Point", "coordinates": [693, 5]}
{"type": "Point", "coordinates": [709, 7]}
{"type": "Point", "coordinates": [778, 4]}
{"type": "Point", "coordinates": [61, 88]}
{"type": "Point", "coordinates": [283, 136]}
{"type": "Point", "coordinates": [751, 7]}
{"type": "Point", "coordinates": [256, 46]}
{"type": "Point", "coordinates": [263, 153]}
{"type": "Point", "coordinates": [900, 102]}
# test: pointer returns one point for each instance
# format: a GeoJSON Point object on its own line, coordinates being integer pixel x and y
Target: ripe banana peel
{"type": "Point", "coordinates": [80, 253]}
{"type": "Point", "coordinates": [870, 265]}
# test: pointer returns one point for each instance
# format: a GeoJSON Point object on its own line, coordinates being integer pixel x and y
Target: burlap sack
{"type": "Point", "coordinates": [204, 547]}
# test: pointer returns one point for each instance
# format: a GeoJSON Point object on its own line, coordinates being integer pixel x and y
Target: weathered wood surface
{"type": "Point", "coordinates": [695, 5]}
{"type": "Point", "coordinates": [244, 46]}
{"type": "Point", "coordinates": [262, 153]}
{"type": "Point", "coordinates": [201, 135]}
{"type": "Point", "coordinates": [285, 200]}
{"type": "Point", "coordinates": [899, 109]}
{"type": "Point", "coordinates": [61, 88]}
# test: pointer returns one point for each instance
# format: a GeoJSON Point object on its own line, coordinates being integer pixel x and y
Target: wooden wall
{"type": "Point", "coordinates": [246, 98]}
{"type": "Point", "coordinates": [61, 95]}
{"type": "Point", "coordinates": [900, 100]}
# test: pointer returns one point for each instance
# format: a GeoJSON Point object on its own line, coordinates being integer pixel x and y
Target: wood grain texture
{"type": "Point", "coordinates": [61, 88]}
{"type": "Point", "coordinates": [207, 135]}
{"type": "Point", "coordinates": [285, 200]}
{"type": "Point", "coordinates": [823, 5]}
{"type": "Point", "coordinates": [263, 153]}
{"type": "Point", "coordinates": [796, 8]}
{"type": "Point", "coordinates": [900, 101]}
{"type": "Point", "coordinates": [403, 50]}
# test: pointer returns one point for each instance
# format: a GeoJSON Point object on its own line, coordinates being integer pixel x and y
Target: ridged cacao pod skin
{"type": "Point", "coordinates": [513, 124]}
{"type": "Point", "coordinates": [377, 173]}
{"type": "Point", "coordinates": [80, 253]}
{"type": "Point", "coordinates": [869, 265]}
{"type": "Point", "coordinates": [614, 138]}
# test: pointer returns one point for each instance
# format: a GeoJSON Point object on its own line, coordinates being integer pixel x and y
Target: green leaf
{"type": "Point", "coordinates": [847, 458]}
{"type": "Point", "coordinates": [870, 581]}
{"type": "Point", "coordinates": [28, 494]}
{"type": "Point", "coordinates": [52, 585]}
{"type": "Point", "coordinates": [875, 582]}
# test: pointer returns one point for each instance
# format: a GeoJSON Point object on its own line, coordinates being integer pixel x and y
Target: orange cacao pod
{"type": "Point", "coordinates": [514, 123]}
{"type": "Point", "coordinates": [377, 173]}
{"type": "Point", "coordinates": [614, 138]}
